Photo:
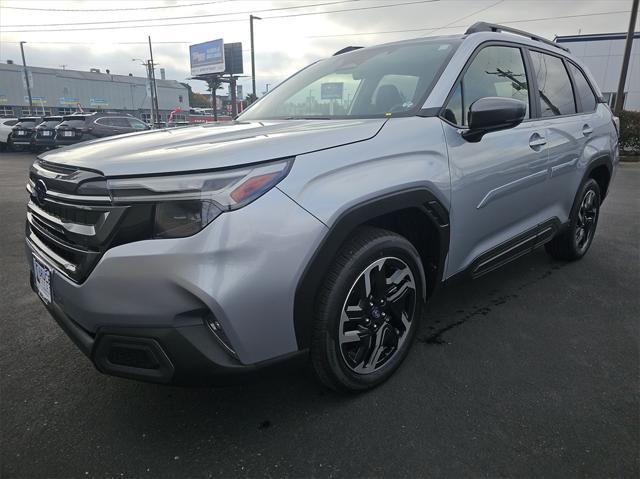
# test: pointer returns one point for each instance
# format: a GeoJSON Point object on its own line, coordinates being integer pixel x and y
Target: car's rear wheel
{"type": "Point", "coordinates": [368, 310]}
{"type": "Point", "coordinates": [575, 241]}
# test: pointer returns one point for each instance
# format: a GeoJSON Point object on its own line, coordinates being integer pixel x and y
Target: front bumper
{"type": "Point", "coordinates": [153, 297]}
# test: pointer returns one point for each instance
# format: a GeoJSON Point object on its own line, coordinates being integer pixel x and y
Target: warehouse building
{"type": "Point", "coordinates": [55, 91]}
{"type": "Point", "coordinates": [602, 53]}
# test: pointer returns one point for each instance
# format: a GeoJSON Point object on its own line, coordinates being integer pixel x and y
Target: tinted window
{"type": "Point", "coordinates": [105, 121]}
{"type": "Point", "coordinates": [583, 89]}
{"type": "Point", "coordinates": [495, 71]}
{"type": "Point", "coordinates": [25, 124]}
{"type": "Point", "coordinates": [137, 124]}
{"type": "Point", "coordinates": [120, 122]}
{"type": "Point", "coordinates": [556, 94]}
{"type": "Point", "coordinates": [10, 122]}
{"type": "Point", "coordinates": [73, 123]}
{"type": "Point", "coordinates": [49, 123]}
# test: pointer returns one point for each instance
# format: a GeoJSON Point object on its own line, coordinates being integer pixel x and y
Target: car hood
{"type": "Point", "coordinates": [211, 145]}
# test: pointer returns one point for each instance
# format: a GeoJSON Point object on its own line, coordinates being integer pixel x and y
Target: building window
{"type": "Point", "coordinates": [25, 112]}
{"type": "Point", "coordinates": [146, 117]}
{"type": "Point", "coordinates": [66, 111]}
{"type": "Point", "coordinates": [180, 98]}
{"type": "Point", "coordinates": [6, 111]}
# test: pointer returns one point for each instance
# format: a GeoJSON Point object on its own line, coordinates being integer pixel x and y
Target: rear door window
{"type": "Point", "coordinates": [583, 90]}
{"type": "Point", "coordinates": [554, 86]}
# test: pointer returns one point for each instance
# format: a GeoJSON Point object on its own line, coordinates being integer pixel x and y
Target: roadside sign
{"type": "Point", "coordinates": [68, 101]}
{"type": "Point", "coordinates": [207, 57]}
{"type": "Point", "coordinates": [331, 91]}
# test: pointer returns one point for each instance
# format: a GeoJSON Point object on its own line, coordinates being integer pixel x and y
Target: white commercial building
{"type": "Point", "coordinates": [602, 53]}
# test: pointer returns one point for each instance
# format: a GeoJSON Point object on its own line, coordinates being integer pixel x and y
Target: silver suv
{"type": "Point", "coordinates": [318, 224]}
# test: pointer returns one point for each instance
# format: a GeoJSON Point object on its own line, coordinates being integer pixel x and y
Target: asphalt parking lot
{"type": "Point", "coordinates": [531, 371]}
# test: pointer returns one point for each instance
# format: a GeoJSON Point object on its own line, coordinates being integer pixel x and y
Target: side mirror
{"type": "Point", "coordinates": [493, 114]}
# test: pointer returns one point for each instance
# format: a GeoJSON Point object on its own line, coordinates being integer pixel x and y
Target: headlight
{"type": "Point", "coordinates": [186, 203]}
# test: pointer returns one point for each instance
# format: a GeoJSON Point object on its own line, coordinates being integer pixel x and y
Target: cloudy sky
{"type": "Point", "coordinates": [83, 34]}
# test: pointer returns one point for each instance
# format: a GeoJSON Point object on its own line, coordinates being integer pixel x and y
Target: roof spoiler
{"type": "Point", "coordinates": [346, 50]}
{"type": "Point", "coordinates": [494, 27]}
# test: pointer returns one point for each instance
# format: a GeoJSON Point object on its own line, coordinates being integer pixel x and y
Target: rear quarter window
{"type": "Point", "coordinates": [583, 90]}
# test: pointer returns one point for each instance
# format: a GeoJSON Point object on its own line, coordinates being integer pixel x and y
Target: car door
{"type": "Point", "coordinates": [565, 130]}
{"type": "Point", "coordinates": [496, 183]}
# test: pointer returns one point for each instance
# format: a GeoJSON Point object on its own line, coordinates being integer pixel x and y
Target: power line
{"type": "Point", "coordinates": [407, 30]}
{"type": "Point", "coordinates": [415, 2]}
{"type": "Point", "coordinates": [113, 9]}
{"type": "Point", "coordinates": [469, 15]}
{"type": "Point", "coordinates": [185, 17]}
{"type": "Point", "coordinates": [506, 22]}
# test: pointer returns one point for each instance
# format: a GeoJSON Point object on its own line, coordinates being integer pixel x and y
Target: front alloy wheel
{"type": "Point", "coordinates": [377, 314]}
{"type": "Point", "coordinates": [367, 310]}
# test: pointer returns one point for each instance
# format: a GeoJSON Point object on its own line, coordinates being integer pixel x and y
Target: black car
{"type": "Point", "coordinates": [22, 132]}
{"type": "Point", "coordinates": [44, 134]}
{"type": "Point", "coordinates": [89, 126]}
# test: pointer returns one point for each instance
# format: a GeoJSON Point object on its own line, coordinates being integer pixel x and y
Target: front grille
{"type": "Point", "coordinates": [72, 230]}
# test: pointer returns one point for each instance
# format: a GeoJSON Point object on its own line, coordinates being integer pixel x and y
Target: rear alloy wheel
{"type": "Point", "coordinates": [575, 241]}
{"type": "Point", "coordinates": [368, 310]}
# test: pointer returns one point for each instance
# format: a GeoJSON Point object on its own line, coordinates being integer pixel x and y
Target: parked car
{"type": "Point", "coordinates": [22, 131]}
{"type": "Point", "coordinates": [44, 134]}
{"type": "Point", "coordinates": [89, 126]}
{"type": "Point", "coordinates": [6, 125]}
{"type": "Point", "coordinates": [317, 228]}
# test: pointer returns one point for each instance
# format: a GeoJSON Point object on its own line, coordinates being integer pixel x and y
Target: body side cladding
{"type": "Point", "coordinates": [602, 160]}
{"type": "Point", "coordinates": [420, 199]}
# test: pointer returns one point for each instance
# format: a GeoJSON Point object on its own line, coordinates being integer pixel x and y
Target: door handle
{"type": "Point", "coordinates": [536, 141]}
{"type": "Point", "coordinates": [587, 130]}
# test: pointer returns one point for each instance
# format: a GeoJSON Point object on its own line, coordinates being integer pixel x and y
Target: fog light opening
{"type": "Point", "coordinates": [216, 328]}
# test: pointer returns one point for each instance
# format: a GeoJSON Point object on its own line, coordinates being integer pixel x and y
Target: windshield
{"type": "Point", "coordinates": [373, 82]}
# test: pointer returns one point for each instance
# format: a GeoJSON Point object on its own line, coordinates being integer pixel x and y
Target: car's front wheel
{"type": "Point", "coordinates": [368, 310]}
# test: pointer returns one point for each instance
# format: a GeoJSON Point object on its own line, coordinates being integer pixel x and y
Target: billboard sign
{"type": "Point", "coordinates": [207, 57]}
{"type": "Point", "coordinates": [331, 91]}
{"type": "Point", "coordinates": [233, 58]}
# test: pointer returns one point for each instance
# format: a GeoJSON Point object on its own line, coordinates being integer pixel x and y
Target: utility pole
{"type": "Point", "coordinates": [151, 103]}
{"type": "Point", "coordinates": [154, 87]}
{"type": "Point", "coordinates": [26, 77]}
{"type": "Point", "coordinates": [625, 60]}
{"type": "Point", "coordinates": [253, 58]}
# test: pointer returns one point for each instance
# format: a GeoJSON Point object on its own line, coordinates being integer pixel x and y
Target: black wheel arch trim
{"type": "Point", "coordinates": [316, 269]}
{"type": "Point", "coordinates": [602, 160]}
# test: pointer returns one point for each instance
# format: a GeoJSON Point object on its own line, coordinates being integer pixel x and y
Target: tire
{"type": "Point", "coordinates": [574, 242]}
{"type": "Point", "coordinates": [361, 349]}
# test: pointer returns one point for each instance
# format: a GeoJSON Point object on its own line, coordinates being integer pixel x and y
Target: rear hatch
{"type": "Point", "coordinates": [71, 128]}
{"type": "Point", "coordinates": [23, 130]}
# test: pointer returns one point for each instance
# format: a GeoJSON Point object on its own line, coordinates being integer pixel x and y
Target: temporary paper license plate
{"type": "Point", "coordinates": [43, 280]}
{"type": "Point", "coordinates": [68, 133]}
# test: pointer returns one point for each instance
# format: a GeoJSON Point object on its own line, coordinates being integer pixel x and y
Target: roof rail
{"type": "Point", "coordinates": [346, 50]}
{"type": "Point", "coordinates": [493, 27]}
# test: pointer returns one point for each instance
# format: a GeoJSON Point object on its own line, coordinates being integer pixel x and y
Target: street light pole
{"type": "Point", "coordinates": [253, 58]}
{"type": "Point", "coordinates": [26, 77]}
{"type": "Point", "coordinates": [625, 59]}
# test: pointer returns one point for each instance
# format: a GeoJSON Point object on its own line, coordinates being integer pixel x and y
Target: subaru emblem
{"type": "Point", "coordinates": [41, 191]}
